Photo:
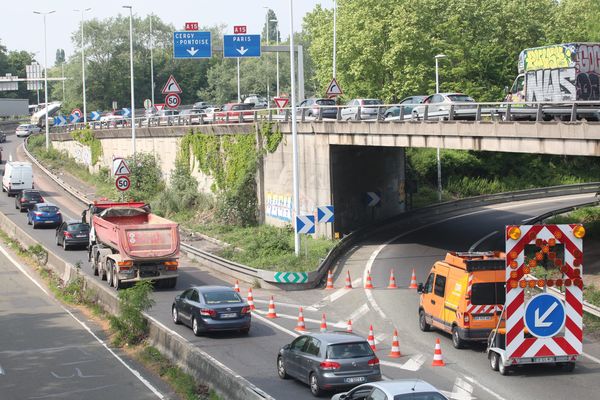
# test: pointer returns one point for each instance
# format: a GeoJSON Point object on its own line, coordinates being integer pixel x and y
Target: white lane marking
{"type": "Point", "coordinates": [315, 321]}
{"type": "Point", "coordinates": [291, 305]}
{"type": "Point", "coordinates": [171, 331]}
{"type": "Point", "coordinates": [477, 243]}
{"type": "Point", "coordinates": [592, 358]}
{"type": "Point", "coordinates": [1, 371]}
{"type": "Point", "coordinates": [380, 338]}
{"type": "Point", "coordinates": [460, 391]}
{"type": "Point", "coordinates": [356, 315]}
{"type": "Point", "coordinates": [412, 364]}
{"type": "Point", "coordinates": [366, 271]}
{"type": "Point", "coordinates": [336, 295]}
{"type": "Point", "coordinates": [484, 388]}
{"type": "Point", "coordinates": [276, 326]}
{"type": "Point", "coordinates": [133, 371]}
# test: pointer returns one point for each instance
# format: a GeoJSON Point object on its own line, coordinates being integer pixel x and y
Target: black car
{"type": "Point", "coordinates": [2, 137]}
{"type": "Point", "coordinates": [211, 308]}
{"type": "Point", "coordinates": [72, 233]}
{"type": "Point", "coordinates": [27, 199]}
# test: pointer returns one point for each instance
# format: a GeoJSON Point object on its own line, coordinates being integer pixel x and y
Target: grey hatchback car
{"type": "Point", "coordinates": [329, 361]}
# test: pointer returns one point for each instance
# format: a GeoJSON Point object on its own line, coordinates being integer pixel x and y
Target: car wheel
{"type": "Point", "coordinates": [175, 316]}
{"type": "Point", "coordinates": [34, 225]}
{"type": "Point", "coordinates": [314, 385]}
{"type": "Point", "coordinates": [28, 221]}
{"type": "Point", "coordinates": [57, 241]}
{"type": "Point", "coordinates": [281, 368]}
{"type": "Point", "coordinates": [195, 327]}
{"type": "Point", "coordinates": [503, 369]}
{"type": "Point", "coordinates": [16, 205]}
{"type": "Point", "coordinates": [423, 325]}
{"type": "Point", "coordinates": [494, 361]}
{"type": "Point", "coordinates": [65, 246]}
{"type": "Point", "coordinates": [457, 342]}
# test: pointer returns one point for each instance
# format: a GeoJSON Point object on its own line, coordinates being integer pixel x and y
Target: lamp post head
{"type": "Point", "coordinates": [130, 7]}
{"type": "Point", "coordinates": [440, 56]}
{"type": "Point", "coordinates": [44, 13]}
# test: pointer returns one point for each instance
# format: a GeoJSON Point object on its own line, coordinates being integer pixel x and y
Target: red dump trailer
{"type": "Point", "coordinates": [129, 244]}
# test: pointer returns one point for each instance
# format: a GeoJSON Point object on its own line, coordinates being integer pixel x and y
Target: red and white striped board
{"type": "Point", "coordinates": [569, 342]}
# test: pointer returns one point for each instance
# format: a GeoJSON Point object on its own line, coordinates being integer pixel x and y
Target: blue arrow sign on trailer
{"type": "Point", "coordinates": [126, 112]}
{"type": "Point", "coordinates": [192, 44]}
{"type": "Point", "coordinates": [545, 315]}
{"type": "Point", "coordinates": [242, 46]}
{"type": "Point", "coordinates": [325, 214]}
{"type": "Point", "coordinates": [94, 115]}
{"type": "Point", "coordinates": [305, 224]}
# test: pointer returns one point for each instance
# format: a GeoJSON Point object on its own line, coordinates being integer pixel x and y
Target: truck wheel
{"type": "Point", "coordinates": [423, 325]}
{"type": "Point", "coordinates": [494, 360]}
{"type": "Point", "coordinates": [502, 369]}
{"type": "Point", "coordinates": [117, 284]}
{"type": "Point", "coordinates": [457, 342]}
{"type": "Point", "coordinates": [109, 274]}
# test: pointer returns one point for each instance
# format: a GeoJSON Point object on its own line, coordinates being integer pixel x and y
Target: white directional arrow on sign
{"type": "Point", "coordinates": [192, 51]}
{"type": "Point", "coordinates": [242, 50]}
{"type": "Point", "coordinates": [540, 322]}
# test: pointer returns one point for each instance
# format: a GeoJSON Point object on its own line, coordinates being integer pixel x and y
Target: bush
{"type": "Point", "coordinates": [146, 177]}
{"type": "Point", "coordinates": [130, 326]}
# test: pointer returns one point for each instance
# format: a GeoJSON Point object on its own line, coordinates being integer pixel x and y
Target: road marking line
{"type": "Point", "coordinates": [356, 315]}
{"type": "Point", "coordinates": [412, 364]}
{"type": "Point", "coordinates": [315, 321]}
{"type": "Point", "coordinates": [380, 338]}
{"type": "Point", "coordinates": [1, 371]}
{"type": "Point", "coordinates": [592, 358]}
{"type": "Point", "coordinates": [489, 391]}
{"type": "Point", "coordinates": [276, 326]}
{"type": "Point", "coordinates": [133, 371]}
{"type": "Point", "coordinates": [309, 308]}
{"type": "Point", "coordinates": [460, 391]}
{"type": "Point", "coordinates": [477, 243]}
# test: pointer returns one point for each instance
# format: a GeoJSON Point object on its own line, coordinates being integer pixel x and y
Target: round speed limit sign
{"type": "Point", "coordinates": [122, 183]}
{"type": "Point", "coordinates": [172, 100]}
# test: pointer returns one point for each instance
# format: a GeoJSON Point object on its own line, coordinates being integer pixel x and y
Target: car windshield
{"type": "Point", "coordinates": [326, 102]}
{"type": "Point", "coordinates": [349, 350]}
{"type": "Point", "coordinates": [420, 396]}
{"type": "Point", "coordinates": [48, 209]}
{"type": "Point", "coordinates": [221, 297]}
{"type": "Point", "coordinates": [246, 106]}
{"type": "Point", "coordinates": [32, 196]}
{"type": "Point", "coordinates": [78, 227]}
{"type": "Point", "coordinates": [372, 102]}
{"type": "Point", "coordinates": [461, 98]}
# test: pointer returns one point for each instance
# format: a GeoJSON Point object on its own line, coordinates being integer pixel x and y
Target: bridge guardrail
{"type": "Point", "coordinates": [313, 278]}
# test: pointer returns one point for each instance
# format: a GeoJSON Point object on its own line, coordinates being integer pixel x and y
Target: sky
{"type": "Point", "coordinates": [21, 29]}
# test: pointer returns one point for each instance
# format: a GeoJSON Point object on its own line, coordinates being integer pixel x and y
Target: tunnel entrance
{"type": "Point", "coordinates": [360, 175]}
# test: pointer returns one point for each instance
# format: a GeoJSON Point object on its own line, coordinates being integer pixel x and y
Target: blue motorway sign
{"type": "Point", "coordinates": [235, 46]}
{"type": "Point", "coordinates": [545, 315]}
{"type": "Point", "coordinates": [192, 44]}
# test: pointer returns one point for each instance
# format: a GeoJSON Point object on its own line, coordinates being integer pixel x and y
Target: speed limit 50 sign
{"type": "Point", "coordinates": [172, 100]}
{"type": "Point", "coordinates": [122, 183]}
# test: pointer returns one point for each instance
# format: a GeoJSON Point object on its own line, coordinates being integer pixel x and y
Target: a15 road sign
{"type": "Point", "coordinates": [192, 44]}
{"type": "Point", "coordinates": [122, 183]}
{"type": "Point", "coordinates": [241, 46]}
{"type": "Point", "coordinates": [545, 315]}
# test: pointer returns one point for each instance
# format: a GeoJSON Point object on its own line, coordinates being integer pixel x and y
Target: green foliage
{"type": "Point", "coordinates": [146, 177]}
{"type": "Point", "coordinates": [38, 253]}
{"type": "Point", "coordinates": [272, 138]}
{"type": "Point", "coordinates": [129, 325]}
{"type": "Point", "coordinates": [588, 216]}
{"type": "Point", "coordinates": [87, 138]}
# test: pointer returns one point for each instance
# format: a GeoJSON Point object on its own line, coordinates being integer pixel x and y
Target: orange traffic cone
{"type": "Point", "coordinates": [392, 284]}
{"type": "Point", "coordinates": [349, 326]}
{"type": "Point", "coordinates": [438, 361]}
{"type": "Point", "coordinates": [271, 313]}
{"type": "Point", "coordinates": [413, 280]}
{"type": "Point", "coordinates": [323, 324]}
{"type": "Point", "coordinates": [300, 326]}
{"type": "Point", "coordinates": [348, 281]}
{"type": "Point", "coordinates": [237, 286]}
{"type": "Point", "coordinates": [329, 280]}
{"type": "Point", "coordinates": [251, 299]}
{"type": "Point", "coordinates": [395, 351]}
{"type": "Point", "coordinates": [371, 338]}
{"type": "Point", "coordinates": [369, 282]}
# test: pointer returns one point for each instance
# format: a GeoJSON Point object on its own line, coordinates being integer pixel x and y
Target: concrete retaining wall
{"type": "Point", "coordinates": [205, 369]}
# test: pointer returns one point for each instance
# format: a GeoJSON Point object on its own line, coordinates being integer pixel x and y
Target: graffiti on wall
{"type": "Point", "coordinates": [82, 154]}
{"type": "Point", "coordinates": [279, 206]}
{"type": "Point", "coordinates": [550, 57]}
{"type": "Point", "coordinates": [588, 72]}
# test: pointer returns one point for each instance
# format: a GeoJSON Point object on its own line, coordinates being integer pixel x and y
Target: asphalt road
{"type": "Point", "coordinates": [47, 351]}
{"type": "Point", "coordinates": [467, 374]}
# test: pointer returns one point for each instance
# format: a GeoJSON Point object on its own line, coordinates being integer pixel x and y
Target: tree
{"type": "Point", "coordinates": [60, 57]}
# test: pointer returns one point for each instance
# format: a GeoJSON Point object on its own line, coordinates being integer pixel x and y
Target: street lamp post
{"type": "Point", "coordinates": [151, 60]}
{"type": "Point", "coordinates": [277, 54]}
{"type": "Point", "coordinates": [266, 59]}
{"type": "Point", "coordinates": [295, 172]}
{"type": "Point", "coordinates": [439, 161]}
{"type": "Point", "coordinates": [131, 83]}
{"type": "Point", "coordinates": [83, 66]}
{"type": "Point", "coordinates": [334, 35]}
{"type": "Point", "coordinates": [45, 77]}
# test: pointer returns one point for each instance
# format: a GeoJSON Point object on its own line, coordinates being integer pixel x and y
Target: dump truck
{"type": "Point", "coordinates": [129, 244]}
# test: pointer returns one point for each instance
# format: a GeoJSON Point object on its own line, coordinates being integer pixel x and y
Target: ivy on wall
{"type": "Point", "coordinates": [87, 138]}
{"type": "Point", "coordinates": [231, 160]}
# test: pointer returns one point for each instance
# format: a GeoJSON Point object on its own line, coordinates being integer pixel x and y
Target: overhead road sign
{"type": "Point", "coordinates": [120, 167]}
{"type": "Point", "coordinates": [122, 183]}
{"type": "Point", "coordinates": [34, 71]}
{"type": "Point", "coordinates": [333, 89]}
{"type": "Point", "coordinates": [171, 86]}
{"type": "Point", "coordinates": [8, 83]}
{"type": "Point", "coordinates": [281, 102]}
{"type": "Point", "coordinates": [241, 46]}
{"type": "Point", "coordinates": [192, 44]}
{"type": "Point", "coordinates": [94, 115]}
{"type": "Point", "coordinates": [325, 214]}
{"type": "Point", "coordinates": [545, 315]}
{"type": "Point", "coordinates": [373, 199]}
{"type": "Point", "coordinates": [305, 224]}
{"type": "Point", "coordinates": [172, 100]}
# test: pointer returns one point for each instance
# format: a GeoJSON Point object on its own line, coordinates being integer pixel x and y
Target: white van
{"type": "Point", "coordinates": [18, 176]}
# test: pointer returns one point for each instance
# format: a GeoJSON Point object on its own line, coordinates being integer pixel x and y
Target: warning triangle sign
{"type": "Point", "coordinates": [281, 102]}
{"type": "Point", "coordinates": [122, 168]}
{"type": "Point", "coordinates": [171, 86]}
{"type": "Point", "coordinates": [334, 89]}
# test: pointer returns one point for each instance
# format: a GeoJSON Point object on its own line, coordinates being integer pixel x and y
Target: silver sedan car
{"type": "Point", "coordinates": [401, 389]}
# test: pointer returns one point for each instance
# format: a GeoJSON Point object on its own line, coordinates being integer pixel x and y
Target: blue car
{"type": "Point", "coordinates": [44, 214]}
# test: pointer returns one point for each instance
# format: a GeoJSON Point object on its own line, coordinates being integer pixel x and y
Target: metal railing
{"type": "Point", "coordinates": [483, 111]}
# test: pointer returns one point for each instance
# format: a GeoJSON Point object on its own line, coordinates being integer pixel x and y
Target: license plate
{"type": "Point", "coordinates": [355, 380]}
{"type": "Point", "coordinates": [229, 315]}
{"type": "Point", "coordinates": [49, 222]}
{"type": "Point", "coordinates": [543, 359]}
{"type": "Point", "coordinates": [81, 235]}
{"type": "Point", "coordinates": [481, 318]}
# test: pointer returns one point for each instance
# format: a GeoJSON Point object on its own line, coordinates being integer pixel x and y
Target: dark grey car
{"type": "Point", "coordinates": [329, 361]}
{"type": "Point", "coordinates": [27, 199]}
{"type": "Point", "coordinates": [72, 233]}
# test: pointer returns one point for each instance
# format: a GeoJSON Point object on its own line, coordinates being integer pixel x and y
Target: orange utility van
{"type": "Point", "coordinates": [464, 295]}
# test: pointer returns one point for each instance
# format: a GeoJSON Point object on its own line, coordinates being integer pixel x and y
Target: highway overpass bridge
{"type": "Point", "coordinates": [341, 162]}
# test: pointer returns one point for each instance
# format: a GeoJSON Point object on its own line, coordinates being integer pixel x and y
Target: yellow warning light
{"type": "Point", "coordinates": [579, 231]}
{"type": "Point", "coordinates": [513, 284]}
{"type": "Point", "coordinates": [552, 242]}
{"type": "Point", "coordinates": [514, 264]}
{"type": "Point", "coordinates": [531, 284]}
{"type": "Point", "coordinates": [522, 283]}
{"type": "Point", "coordinates": [514, 274]}
{"type": "Point", "coordinates": [514, 232]}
